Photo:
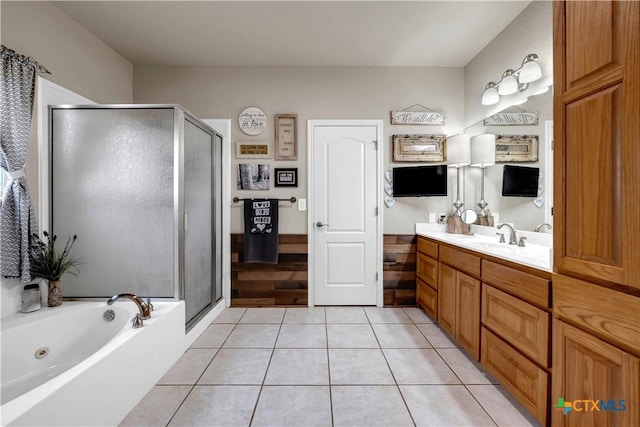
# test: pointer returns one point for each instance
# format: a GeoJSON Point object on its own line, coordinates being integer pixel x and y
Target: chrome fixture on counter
{"type": "Point", "coordinates": [144, 307]}
{"type": "Point", "coordinates": [513, 81]}
{"type": "Point", "coordinates": [539, 227]}
{"type": "Point", "coordinates": [513, 238]}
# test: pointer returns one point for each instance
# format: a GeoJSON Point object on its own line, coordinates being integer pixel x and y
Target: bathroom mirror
{"type": "Point", "coordinates": [524, 212]}
{"type": "Point", "coordinates": [469, 216]}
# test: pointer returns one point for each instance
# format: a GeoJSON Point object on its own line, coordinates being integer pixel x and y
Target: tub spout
{"type": "Point", "coordinates": [145, 310]}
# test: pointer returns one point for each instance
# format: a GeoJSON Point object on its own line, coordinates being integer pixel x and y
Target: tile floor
{"type": "Point", "coordinates": [340, 366]}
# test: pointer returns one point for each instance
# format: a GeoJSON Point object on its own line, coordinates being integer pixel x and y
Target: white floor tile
{"type": "Point", "coordinates": [189, 367]}
{"type": "Point", "coordinates": [501, 408]}
{"type": "Point", "coordinates": [298, 367]}
{"type": "Point", "coordinates": [214, 406]}
{"type": "Point", "coordinates": [301, 335]}
{"type": "Point", "coordinates": [157, 407]}
{"type": "Point", "coordinates": [419, 366]}
{"type": "Point", "coordinates": [346, 315]}
{"type": "Point", "coordinates": [351, 336]}
{"type": "Point", "coordinates": [293, 406]}
{"type": "Point", "coordinates": [400, 336]}
{"type": "Point", "coordinates": [436, 336]}
{"type": "Point", "coordinates": [386, 315]}
{"type": "Point", "coordinates": [252, 336]}
{"type": "Point", "coordinates": [213, 337]}
{"type": "Point", "coordinates": [358, 366]}
{"type": "Point", "coordinates": [304, 315]}
{"type": "Point", "coordinates": [444, 405]}
{"type": "Point", "coordinates": [468, 370]}
{"type": "Point", "coordinates": [369, 406]}
{"type": "Point", "coordinates": [239, 366]}
{"type": "Point", "coordinates": [417, 315]}
{"type": "Point", "coordinates": [263, 315]}
{"type": "Point", "coordinates": [230, 315]}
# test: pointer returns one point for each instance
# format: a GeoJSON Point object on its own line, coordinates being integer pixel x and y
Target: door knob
{"type": "Point", "coordinates": [320, 225]}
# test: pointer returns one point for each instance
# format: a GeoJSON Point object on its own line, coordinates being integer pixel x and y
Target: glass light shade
{"type": "Point", "coordinates": [458, 150]}
{"type": "Point", "coordinates": [508, 85]}
{"type": "Point", "coordinates": [483, 150]}
{"type": "Point", "coordinates": [490, 96]}
{"type": "Point", "coordinates": [530, 72]}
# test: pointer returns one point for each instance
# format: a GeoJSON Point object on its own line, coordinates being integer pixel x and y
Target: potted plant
{"type": "Point", "coordinates": [50, 264]}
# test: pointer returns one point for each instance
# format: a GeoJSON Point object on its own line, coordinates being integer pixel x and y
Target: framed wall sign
{"type": "Point", "coordinates": [253, 149]}
{"type": "Point", "coordinates": [419, 148]}
{"type": "Point", "coordinates": [252, 121]}
{"type": "Point", "coordinates": [286, 137]}
{"type": "Point", "coordinates": [516, 148]}
{"type": "Point", "coordinates": [425, 118]}
{"type": "Point", "coordinates": [512, 119]}
{"type": "Point", "coordinates": [286, 177]}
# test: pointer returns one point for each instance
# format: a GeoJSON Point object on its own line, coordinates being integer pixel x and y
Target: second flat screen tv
{"type": "Point", "coordinates": [420, 181]}
{"type": "Point", "coordinates": [520, 181]}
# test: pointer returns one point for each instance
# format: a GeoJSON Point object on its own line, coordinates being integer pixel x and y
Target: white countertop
{"type": "Point", "coordinates": [537, 253]}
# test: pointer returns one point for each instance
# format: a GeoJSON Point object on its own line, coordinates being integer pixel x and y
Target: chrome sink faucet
{"type": "Point", "coordinates": [144, 307]}
{"type": "Point", "coordinates": [539, 227]}
{"type": "Point", "coordinates": [513, 239]}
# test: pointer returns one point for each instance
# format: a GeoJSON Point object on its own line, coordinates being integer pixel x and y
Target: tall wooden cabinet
{"type": "Point", "coordinates": [596, 294]}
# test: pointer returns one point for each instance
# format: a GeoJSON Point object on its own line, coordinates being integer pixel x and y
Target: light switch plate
{"type": "Point", "coordinates": [302, 204]}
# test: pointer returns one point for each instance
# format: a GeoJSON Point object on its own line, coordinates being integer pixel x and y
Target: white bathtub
{"type": "Point", "coordinates": [95, 371]}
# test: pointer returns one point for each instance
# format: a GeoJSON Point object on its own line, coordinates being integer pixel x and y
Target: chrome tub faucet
{"type": "Point", "coordinates": [145, 308]}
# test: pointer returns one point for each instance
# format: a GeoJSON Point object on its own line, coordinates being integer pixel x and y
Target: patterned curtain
{"type": "Point", "coordinates": [17, 219]}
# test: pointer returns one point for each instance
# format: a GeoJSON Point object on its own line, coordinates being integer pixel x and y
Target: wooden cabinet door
{"type": "Point", "coordinates": [587, 368]}
{"type": "Point", "coordinates": [596, 134]}
{"type": "Point", "coordinates": [447, 298]}
{"type": "Point", "coordinates": [468, 313]}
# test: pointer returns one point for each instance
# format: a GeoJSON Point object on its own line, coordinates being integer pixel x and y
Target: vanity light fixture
{"type": "Point", "coordinates": [483, 154]}
{"type": "Point", "coordinates": [513, 81]}
{"type": "Point", "coordinates": [458, 156]}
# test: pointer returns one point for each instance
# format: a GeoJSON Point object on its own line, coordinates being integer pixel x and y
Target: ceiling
{"type": "Point", "coordinates": [296, 33]}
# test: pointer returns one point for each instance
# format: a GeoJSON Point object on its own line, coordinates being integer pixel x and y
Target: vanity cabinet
{"type": "Point", "coordinates": [596, 298]}
{"type": "Point", "coordinates": [427, 276]}
{"type": "Point", "coordinates": [459, 298]}
{"type": "Point", "coordinates": [498, 311]}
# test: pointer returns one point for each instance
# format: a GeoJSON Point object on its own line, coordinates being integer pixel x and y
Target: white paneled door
{"type": "Point", "coordinates": [345, 236]}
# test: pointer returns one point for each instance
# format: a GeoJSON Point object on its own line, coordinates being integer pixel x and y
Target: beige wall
{"type": "Point", "coordinates": [77, 59]}
{"type": "Point", "coordinates": [312, 93]}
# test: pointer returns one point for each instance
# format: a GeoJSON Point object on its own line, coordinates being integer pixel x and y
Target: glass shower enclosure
{"type": "Point", "coordinates": [141, 186]}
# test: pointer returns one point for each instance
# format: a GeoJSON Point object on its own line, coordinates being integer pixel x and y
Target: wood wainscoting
{"type": "Point", "coordinates": [286, 283]}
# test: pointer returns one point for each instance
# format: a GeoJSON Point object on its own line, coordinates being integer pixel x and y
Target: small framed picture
{"type": "Point", "coordinates": [286, 137]}
{"type": "Point", "coordinates": [286, 177]}
{"type": "Point", "coordinates": [257, 149]}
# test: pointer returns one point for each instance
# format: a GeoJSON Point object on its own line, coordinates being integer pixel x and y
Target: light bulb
{"type": "Point", "coordinates": [509, 84]}
{"type": "Point", "coordinates": [490, 95]}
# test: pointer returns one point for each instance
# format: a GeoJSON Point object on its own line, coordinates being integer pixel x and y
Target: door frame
{"type": "Point", "coordinates": [311, 125]}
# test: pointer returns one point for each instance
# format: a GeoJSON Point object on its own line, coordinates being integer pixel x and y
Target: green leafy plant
{"type": "Point", "coordinates": [47, 262]}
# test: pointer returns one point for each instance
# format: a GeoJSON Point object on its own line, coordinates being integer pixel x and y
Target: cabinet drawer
{"type": "Point", "coordinates": [428, 247]}
{"type": "Point", "coordinates": [530, 288]}
{"type": "Point", "coordinates": [519, 323]}
{"type": "Point", "coordinates": [427, 270]}
{"type": "Point", "coordinates": [460, 260]}
{"type": "Point", "coordinates": [427, 299]}
{"type": "Point", "coordinates": [523, 378]}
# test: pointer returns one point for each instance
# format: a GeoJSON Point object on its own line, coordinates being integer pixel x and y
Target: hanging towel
{"type": "Point", "coordinates": [261, 230]}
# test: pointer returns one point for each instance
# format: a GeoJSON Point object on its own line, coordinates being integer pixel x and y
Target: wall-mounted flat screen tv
{"type": "Point", "coordinates": [520, 181]}
{"type": "Point", "coordinates": [420, 181]}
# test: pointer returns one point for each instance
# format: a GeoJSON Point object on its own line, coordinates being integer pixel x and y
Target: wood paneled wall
{"type": "Point", "coordinates": [286, 283]}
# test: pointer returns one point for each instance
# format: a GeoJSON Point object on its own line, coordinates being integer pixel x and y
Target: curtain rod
{"type": "Point", "coordinates": [39, 67]}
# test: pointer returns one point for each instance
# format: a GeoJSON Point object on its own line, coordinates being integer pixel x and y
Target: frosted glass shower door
{"type": "Point", "coordinates": [112, 184]}
{"type": "Point", "coordinates": [199, 256]}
